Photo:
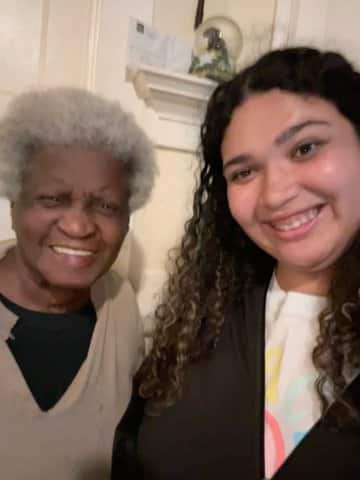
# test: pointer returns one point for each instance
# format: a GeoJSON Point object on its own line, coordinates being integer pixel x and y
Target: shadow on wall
{"type": "Point", "coordinates": [136, 263]}
{"type": "Point", "coordinates": [147, 282]}
{"type": "Point", "coordinates": [6, 232]}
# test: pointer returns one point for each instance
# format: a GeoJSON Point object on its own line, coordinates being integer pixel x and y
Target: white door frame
{"type": "Point", "coordinates": [300, 22]}
{"type": "Point", "coordinates": [285, 16]}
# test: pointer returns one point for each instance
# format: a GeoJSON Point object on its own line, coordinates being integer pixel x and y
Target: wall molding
{"type": "Point", "coordinates": [43, 40]}
{"type": "Point", "coordinates": [292, 25]}
{"type": "Point", "coordinates": [179, 102]}
{"type": "Point", "coordinates": [286, 15]}
{"type": "Point", "coordinates": [93, 43]}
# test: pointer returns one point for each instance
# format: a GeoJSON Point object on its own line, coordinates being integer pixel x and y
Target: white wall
{"type": "Point", "coordinates": [255, 18]}
{"type": "Point", "coordinates": [326, 24]}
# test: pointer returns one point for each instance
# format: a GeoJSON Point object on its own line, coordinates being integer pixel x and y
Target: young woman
{"type": "Point", "coordinates": [254, 367]}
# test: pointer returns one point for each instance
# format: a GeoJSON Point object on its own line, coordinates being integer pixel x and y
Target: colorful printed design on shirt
{"type": "Point", "coordinates": [274, 441]}
{"type": "Point", "coordinates": [273, 364]}
{"type": "Point", "coordinates": [286, 423]}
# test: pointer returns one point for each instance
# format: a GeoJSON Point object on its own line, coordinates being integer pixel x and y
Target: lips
{"type": "Point", "coordinates": [293, 222]}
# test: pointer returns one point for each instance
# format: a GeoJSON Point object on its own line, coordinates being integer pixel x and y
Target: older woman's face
{"type": "Point", "coordinates": [71, 216]}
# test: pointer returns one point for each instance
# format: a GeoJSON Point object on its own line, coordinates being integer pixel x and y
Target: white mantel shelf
{"type": "Point", "coordinates": [179, 101]}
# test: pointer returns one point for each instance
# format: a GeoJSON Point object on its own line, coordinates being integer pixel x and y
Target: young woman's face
{"type": "Point", "coordinates": [292, 167]}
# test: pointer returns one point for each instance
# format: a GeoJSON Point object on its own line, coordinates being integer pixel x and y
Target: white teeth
{"type": "Point", "coordinates": [297, 221]}
{"type": "Point", "coordinates": [70, 251]}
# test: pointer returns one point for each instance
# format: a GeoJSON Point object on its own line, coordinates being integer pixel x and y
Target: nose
{"type": "Point", "coordinates": [279, 187]}
{"type": "Point", "coordinates": [76, 222]}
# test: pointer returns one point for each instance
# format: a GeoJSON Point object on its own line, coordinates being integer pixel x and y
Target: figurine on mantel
{"type": "Point", "coordinates": [216, 48]}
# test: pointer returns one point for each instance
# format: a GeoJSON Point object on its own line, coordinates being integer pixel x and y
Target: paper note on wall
{"type": "Point", "coordinates": [148, 46]}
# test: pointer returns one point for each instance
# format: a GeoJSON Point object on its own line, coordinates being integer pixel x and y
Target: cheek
{"type": "Point", "coordinates": [31, 224]}
{"type": "Point", "coordinates": [241, 205]}
{"type": "Point", "coordinates": [348, 181]}
{"type": "Point", "coordinates": [336, 173]}
{"type": "Point", "coordinates": [347, 201]}
{"type": "Point", "coordinates": [341, 188]}
{"type": "Point", "coordinates": [114, 233]}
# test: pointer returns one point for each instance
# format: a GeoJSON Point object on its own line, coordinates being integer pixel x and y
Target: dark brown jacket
{"type": "Point", "coordinates": [216, 429]}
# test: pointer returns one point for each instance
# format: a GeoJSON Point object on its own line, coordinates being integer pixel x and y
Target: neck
{"type": "Point", "coordinates": [17, 284]}
{"type": "Point", "coordinates": [311, 283]}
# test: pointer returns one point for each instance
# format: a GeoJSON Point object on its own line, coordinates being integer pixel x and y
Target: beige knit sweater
{"type": "Point", "coordinates": [72, 440]}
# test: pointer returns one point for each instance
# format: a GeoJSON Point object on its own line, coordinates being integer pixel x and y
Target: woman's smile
{"type": "Point", "coordinates": [296, 226]}
{"type": "Point", "coordinates": [72, 251]}
{"type": "Point", "coordinates": [71, 216]}
{"type": "Point", "coordinates": [73, 258]}
{"type": "Point", "coordinates": [299, 198]}
{"type": "Point", "coordinates": [294, 221]}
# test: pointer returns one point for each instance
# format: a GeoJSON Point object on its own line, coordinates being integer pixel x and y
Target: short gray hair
{"type": "Point", "coordinates": [73, 117]}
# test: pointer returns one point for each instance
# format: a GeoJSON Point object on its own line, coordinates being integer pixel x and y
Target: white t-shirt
{"type": "Point", "coordinates": [292, 406]}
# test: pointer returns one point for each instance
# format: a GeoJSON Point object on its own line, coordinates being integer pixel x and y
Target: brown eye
{"type": "Point", "coordinates": [245, 173]}
{"type": "Point", "coordinates": [306, 149]}
{"type": "Point", "coordinates": [241, 176]}
{"type": "Point", "coordinates": [50, 201]}
{"type": "Point", "coordinates": [107, 208]}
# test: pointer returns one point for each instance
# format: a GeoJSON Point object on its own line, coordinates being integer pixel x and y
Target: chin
{"type": "Point", "coordinates": [73, 283]}
{"type": "Point", "coordinates": [309, 265]}
{"type": "Point", "coordinates": [312, 260]}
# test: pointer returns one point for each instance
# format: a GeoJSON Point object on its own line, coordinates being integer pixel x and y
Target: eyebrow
{"type": "Point", "coordinates": [294, 129]}
{"type": "Point", "coordinates": [238, 160]}
{"type": "Point", "coordinates": [279, 140]}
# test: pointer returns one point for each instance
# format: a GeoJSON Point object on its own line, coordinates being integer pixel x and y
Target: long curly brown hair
{"type": "Point", "coordinates": [216, 261]}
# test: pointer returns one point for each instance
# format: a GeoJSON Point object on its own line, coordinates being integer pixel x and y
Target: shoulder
{"type": "Point", "coordinates": [113, 289]}
{"type": "Point", "coordinates": [115, 303]}
{"type": "Point", "coordinates": [5, 246]}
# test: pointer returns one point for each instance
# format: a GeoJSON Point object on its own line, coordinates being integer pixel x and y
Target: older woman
{"type": "Point", "coordinates": [74, 166]}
